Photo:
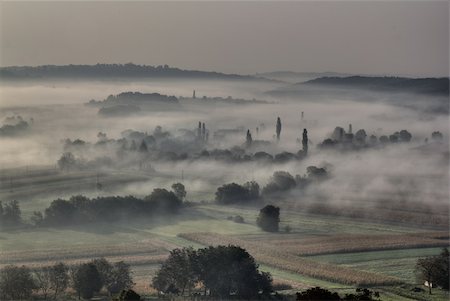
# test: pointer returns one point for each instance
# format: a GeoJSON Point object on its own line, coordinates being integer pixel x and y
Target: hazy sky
{"type": "Point", "coordinates": [369, 37]}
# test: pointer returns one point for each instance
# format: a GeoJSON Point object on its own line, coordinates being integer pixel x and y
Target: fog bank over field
{"type": "Point", "coordinates": [405, 171]}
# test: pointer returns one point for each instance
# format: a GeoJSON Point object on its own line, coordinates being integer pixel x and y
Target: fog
{"type": "Point", "coordinates": [415, 172]}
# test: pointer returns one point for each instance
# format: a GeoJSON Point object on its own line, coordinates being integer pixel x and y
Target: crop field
{"type": "Point", "coordinates": [279, 258]}
{"type": "Point", "coordinates": [338, 253]}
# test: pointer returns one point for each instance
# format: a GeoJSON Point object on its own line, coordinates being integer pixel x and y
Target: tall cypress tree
{"type": "Point", "coordinates": [305, 141]}
{"type": "Point", "coordinates": [278, 128]}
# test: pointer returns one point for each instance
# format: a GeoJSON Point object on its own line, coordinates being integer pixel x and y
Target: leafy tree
{"type": "Point", "coordinates": [269, 218]}
{"type": "Point", "coordinates": [179, 190]}
{"type": "Point", "coordinates": [104, 268]}
{"type": "Point", "coordinates": [443, 273]}
{"type": "Point", "coordinates": [405, 136]}
{"type": "Point", "coordinates": [176, 273]}
{"type": "Point", "coordinates": [86, 280]}
{"type": "Point", "coordinates": [59, 278]}
{"type": "Point", "coordinates": [11, 214]}
{"type": "Point", "coordinates": [316, 173]}
{"type": "Point", "coordinates": [60, 212]}
{"type": "Point", "coordinates": [427, 269]}
{"type": "Point", "coordinates": [114, 277]}
{"type": "Point", "coordinates": [231, 193]}
{"type": "Point", "coordinates": [230, 270]}
{"type": "Point", "coordinates": [384, 139]}
{"type": "Point", "coordinates": [223, 271]}
{"type": "Point", "coordinates": [16, 283]}
{"type": "Point", "coordinates": [252, 189]}
{"type": "Point", "coordinates": [42, 280]}
{"type": "Point", "coordinates": [164, 200]}
{"type": "Point", "coordinates": [360, 136]}
{"type": "Point", "coordinates": [435, 270]}
{"type": "Point", "coordinates": [280, 182]}
{"type": "Point", "coordinates": [120, 278]}
{"type": "Point", "coordinates": [67, 161]}
{"type": "Point", "coordinates": [393, 138]}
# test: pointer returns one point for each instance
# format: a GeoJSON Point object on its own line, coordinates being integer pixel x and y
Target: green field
{"type": "Point", "coordinates": [145, 243]}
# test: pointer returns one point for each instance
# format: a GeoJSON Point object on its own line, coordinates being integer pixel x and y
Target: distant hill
{"type": "Point", "coordinates": [134, 98]}
{"type": "Point", "coordinates": [437, 86]}
{"type": "Point", "coordinates": [295, 77]}
{"type": "Point", "coordinates": [429, 95]}
{"type": "Point", "coordinates": [112, 71]}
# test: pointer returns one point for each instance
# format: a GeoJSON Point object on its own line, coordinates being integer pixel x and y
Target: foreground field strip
{"type": "Point", "coordinates": [154, 247]}
{"type": "Point", "coordinates": [361, 243]}
{"type": "Point", "coordinates": [278, 258]}
{"type": "Point", "coordinates": [133, 260]}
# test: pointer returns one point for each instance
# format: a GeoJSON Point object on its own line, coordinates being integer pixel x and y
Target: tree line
{"type": "Point", "coordinates": [53, 282]}
{"type": "Point", "coordinates": [80, 209]}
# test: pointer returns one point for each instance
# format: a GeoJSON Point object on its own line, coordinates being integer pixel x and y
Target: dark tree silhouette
{"type": "Point", "coordinates": [248, 139]}
{"type": "Point", "coordinates": [434, 270]}
{"type": "Point", "coordinates": [143, 147]}
{"type": "Point", "coordinates": [86, 280]}
{"type": "Point", "coordinates": [405, 136]}
{"type": "Point", "coordinates": [234, 193]}
{"type": "Point", "coordinates": [437, 136]}
{"type": "Point", "coordinates": [220, 272]}
{"type": "Point", "coordinates": [278, 128]}
{"type": "Point", "coordinates": [269, 218]}
{"type": "Point", "coordinates": [129, 295]}
{"type": "Point", "coordinates": [305, 142]}
{"type": "Point", "coordinates": [317, 293]}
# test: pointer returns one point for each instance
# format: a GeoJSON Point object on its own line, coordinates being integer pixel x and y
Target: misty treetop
{"type": "Point", "coordinates": [278, 186]}
{"type": "Point", "coordinates": [342, 140]}
{"type": "Point", "coordinates": [14, 125]}
{"type": "Point", "coordinates": [237, 194]}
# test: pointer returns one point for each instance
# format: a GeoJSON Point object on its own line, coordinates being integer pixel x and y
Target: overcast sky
{"type": "Point", "coordinates": [365, 37]}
